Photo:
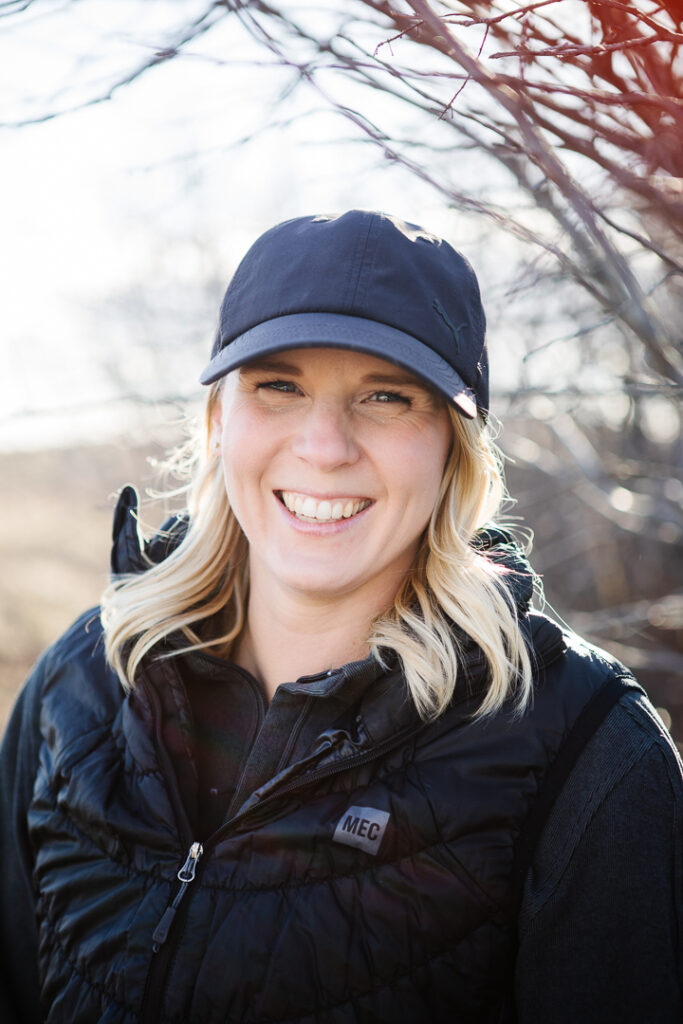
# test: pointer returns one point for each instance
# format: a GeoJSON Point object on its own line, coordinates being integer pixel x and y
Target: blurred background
{"type": "Point", "coordinates": [146, 144]}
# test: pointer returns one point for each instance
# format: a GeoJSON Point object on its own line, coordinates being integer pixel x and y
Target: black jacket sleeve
{"type": "Point", "coordinates": [19, 989]}
{"type": "Point", "coordinates": [601, 920]}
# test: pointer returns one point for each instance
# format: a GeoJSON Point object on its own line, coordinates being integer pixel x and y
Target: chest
{"type": "Point", "coordinates": [378, 885]}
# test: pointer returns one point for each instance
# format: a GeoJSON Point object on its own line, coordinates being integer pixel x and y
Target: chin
{"type": "Point", "coordinates": [325, 589]}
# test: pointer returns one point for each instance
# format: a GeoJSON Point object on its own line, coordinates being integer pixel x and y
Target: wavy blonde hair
{"type": "Point", "coordinates": [452, 582]}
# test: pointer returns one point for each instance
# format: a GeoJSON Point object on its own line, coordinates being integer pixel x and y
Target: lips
{"type": "Point", "coordinates": [325, 510]}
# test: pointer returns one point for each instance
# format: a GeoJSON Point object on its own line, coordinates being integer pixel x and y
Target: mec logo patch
{"type": "Point", "coordinates": [362, 827]}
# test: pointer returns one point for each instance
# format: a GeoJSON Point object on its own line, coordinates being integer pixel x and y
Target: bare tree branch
{"type": "Point", "coordinates": [204, 23]}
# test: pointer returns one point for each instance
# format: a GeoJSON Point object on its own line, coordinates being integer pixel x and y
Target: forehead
{"type": "Point", "coordinates": [324, 360]}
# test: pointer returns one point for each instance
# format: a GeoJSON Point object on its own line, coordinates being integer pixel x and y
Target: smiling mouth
{"type": "Point", "coordinates": [310, 510]}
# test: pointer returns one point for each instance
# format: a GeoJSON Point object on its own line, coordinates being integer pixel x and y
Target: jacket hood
{"type": "Point", "coordinates": [130, 553]}
{"type": "Point", "coordinates": [499, 545]}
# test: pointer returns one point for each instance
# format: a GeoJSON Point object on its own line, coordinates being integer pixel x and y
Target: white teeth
{"type": "Point", "coordinates": [324, 511]}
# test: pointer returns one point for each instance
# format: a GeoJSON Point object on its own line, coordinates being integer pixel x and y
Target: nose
{"type": "Point", "coordinates": [324, 437]}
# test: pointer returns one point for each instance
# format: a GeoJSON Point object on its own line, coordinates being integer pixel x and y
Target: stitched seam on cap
{"type": "Point", "coordinates": [362, 256]}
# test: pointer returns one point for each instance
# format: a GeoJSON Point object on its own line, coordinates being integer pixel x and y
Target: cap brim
{"type": "Point", "coordinates": [334, 330]}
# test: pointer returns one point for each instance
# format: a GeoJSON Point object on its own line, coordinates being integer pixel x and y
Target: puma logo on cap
{"type": "Point", "coordinates": [362, 827]}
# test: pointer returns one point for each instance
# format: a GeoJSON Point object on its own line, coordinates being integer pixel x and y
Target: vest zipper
{"type": "Point", "coordinates": [185, 876]}
{"type": "Point", "coordinates": [163, 950]}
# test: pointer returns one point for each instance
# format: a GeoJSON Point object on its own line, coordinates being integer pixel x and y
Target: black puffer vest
{"type": "Point", "coordinates": [372, 881]}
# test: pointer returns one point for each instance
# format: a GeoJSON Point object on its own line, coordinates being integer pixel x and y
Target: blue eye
{"type": "Point", "coordinates": [285, 386]}
{"type": "Point", "coordinates": [387, 397]}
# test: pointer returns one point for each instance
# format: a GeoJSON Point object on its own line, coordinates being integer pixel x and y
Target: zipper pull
{"type": "Point", "coordinates": [185, 876]}
{"type": "Point", "coordinates": [187, 871]}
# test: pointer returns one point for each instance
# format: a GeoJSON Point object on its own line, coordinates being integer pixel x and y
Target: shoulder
{"type": "Point", "coordinates": [631, 756]}
{"type": "Point", "coordinates": [71, 689]}
{"type": "Point", "coordinates": [77, 658]}
{"type": "Point", "coordinates": [80, 639]}
{"type": "Point", "coordinates": [564, 655]}
{"type": "Point", "coordinates": [615, 730]}
{"type": "Point", "coordinates": [575, 683]}
{"type": "Point", "coordinates": [602, 897]}
{"type": "Point", "coordinates": [605, 744]}
{"type": "Point", "coordinates": [78, 648]}
{"type": "Point", "coordinates": [623, 794]}
{"type": "Point", "coordinates": [68, 677]}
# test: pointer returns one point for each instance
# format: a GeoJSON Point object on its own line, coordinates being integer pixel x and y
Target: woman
{"type": "Point", "coordinates": [316, 760]}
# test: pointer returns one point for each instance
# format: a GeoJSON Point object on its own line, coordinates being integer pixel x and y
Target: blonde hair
{"type": "Point", "coordinates": [453, 583]}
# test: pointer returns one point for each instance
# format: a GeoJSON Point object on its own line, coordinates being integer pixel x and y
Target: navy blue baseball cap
{"type": "Point", "coordinates": [363, 281]}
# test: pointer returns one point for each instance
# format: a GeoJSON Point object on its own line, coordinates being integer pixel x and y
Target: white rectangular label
{"type": "Point", "coordinates": [362, 827]}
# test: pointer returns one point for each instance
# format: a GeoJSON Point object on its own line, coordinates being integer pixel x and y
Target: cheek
{"type": "Point", "coordinates": [420, 466]}
{"type": "Point", "coordinates": [248, 452]}
{"type": "Point", "coordinates": [236, 465]}
{"type": "Point", "coordinates": [423, 482]}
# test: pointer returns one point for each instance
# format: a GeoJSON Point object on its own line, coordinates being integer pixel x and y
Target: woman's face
{"type": "Point", "coordinates": [333, 461]}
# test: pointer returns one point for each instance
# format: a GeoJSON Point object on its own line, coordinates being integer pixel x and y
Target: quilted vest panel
{"type": "Point", "coordinates": [291, 917]}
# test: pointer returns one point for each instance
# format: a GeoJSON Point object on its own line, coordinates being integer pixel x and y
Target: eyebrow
{"type": "Point", "coordinates": [274, 365]}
